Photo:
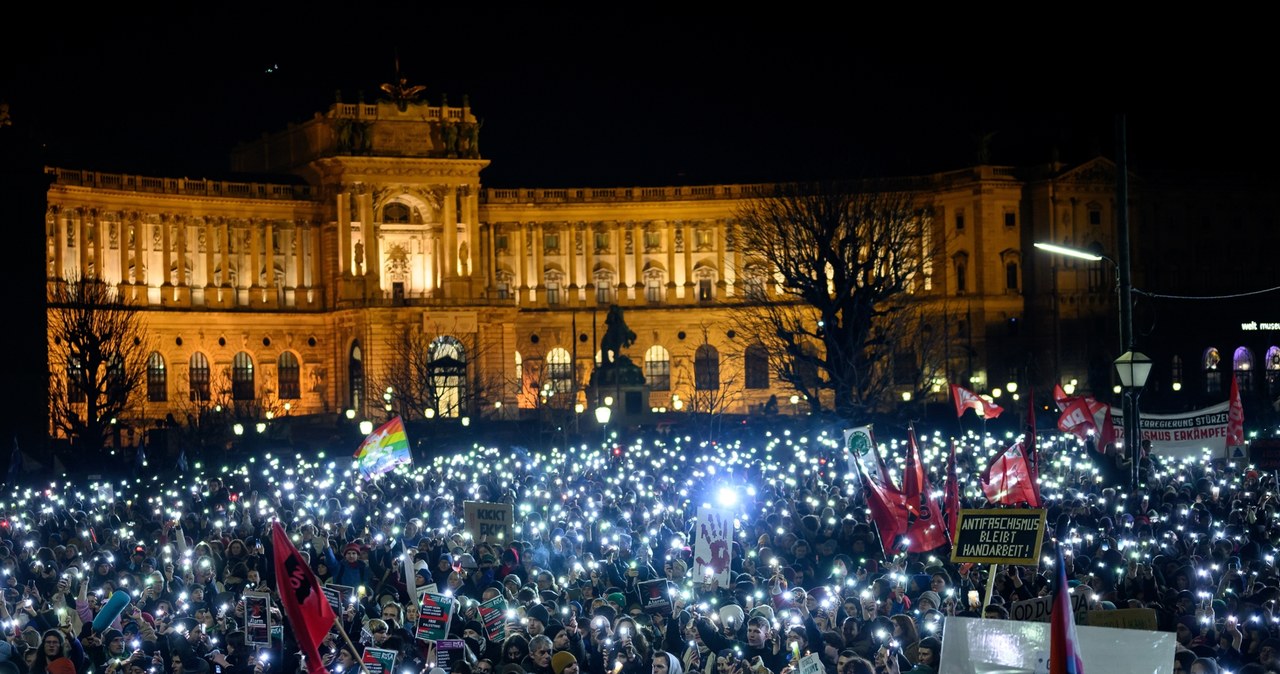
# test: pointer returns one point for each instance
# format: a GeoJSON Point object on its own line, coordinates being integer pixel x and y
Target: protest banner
{"type": "Point", "coordinates": [257, 618]}
{"type": "Point", "coordinates": [1183, 435]}
{"type": "Point", "coordinates": [493, 615]}
{"type": "Point", "coordinates": [435, 612]}
{"type": "Point", "coordinates": [1040, 609]}
{"type": "Point", "coordinates": [449, 651]}
{"type": "Point", "coordinates": [379, 660]}
{"type": "Point", "coordinates": [1007, 536]}
{"type": "Point", "coordinates": [339, 596]}
{"type": "Point", "coordinates": [489, 521]}
{"type": "Point", "coordinates": [1125, 618]}
{"type": "Point", "coordinates": [713, 545]}
{"type": "Point", "coordinates": [986, 646]}
{"type": "Point", "coordinates": [655, 595]}
{"type": "Point", "coordinates": [811, 664]}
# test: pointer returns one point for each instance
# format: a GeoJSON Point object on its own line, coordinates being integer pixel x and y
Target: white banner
{"type": "Point", "coordinates": [1183, 435]}
{"type": "Point", "coordinates": [713, 546]}
{"type": "Point", "coordinates": [980, 646]}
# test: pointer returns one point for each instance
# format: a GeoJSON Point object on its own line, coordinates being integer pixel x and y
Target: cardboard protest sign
{"type": "Point", "coordinates": [1005, 536]}
{"type": "Point", "coordinates": [811, 664]}
{"type": "Point", "coordinates": [493, 615]}
{"type": "Point", "coordinates": [435, 612]}
{"type": "Point", "coordinates": [1125, 618]}
{"type": "Point", "coordinates": [257, 618]}
{"type": "Point", "coordinates": [1040, 609]}
{"type": "Point", "coordinates": [655, 595]}
{"type": "Point", "coordinates": [713, 546]}
{"type": "Point", "coordinates": [379, 660]}
{"type": "Point", "coordinates": [490, 521]}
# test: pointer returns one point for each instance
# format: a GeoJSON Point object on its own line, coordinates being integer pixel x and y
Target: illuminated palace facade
{"type": "Point", "coordinates": [380, 226]}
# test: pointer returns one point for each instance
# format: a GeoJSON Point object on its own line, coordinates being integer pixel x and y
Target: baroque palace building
{"type": "Point", "coordinates": [292, 292]}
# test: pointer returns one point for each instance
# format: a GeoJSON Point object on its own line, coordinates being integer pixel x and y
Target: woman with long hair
{"type": "Point", "coordinates": [52, 655]}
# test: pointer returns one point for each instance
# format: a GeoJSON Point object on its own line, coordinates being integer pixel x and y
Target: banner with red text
{"type": "Point", "coordinates": [1185, 434]}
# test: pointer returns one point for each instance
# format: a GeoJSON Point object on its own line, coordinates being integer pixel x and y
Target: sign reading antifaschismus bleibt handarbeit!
{"type": "Point", "coordinates": [1008, 536]}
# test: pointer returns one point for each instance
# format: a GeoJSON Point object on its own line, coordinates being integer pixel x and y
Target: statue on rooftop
{"type": "Point", "coordinates": [401, 92]}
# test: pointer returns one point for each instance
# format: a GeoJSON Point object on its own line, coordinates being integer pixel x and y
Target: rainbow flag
{"type": "Point", "coordinates": [384, 449]}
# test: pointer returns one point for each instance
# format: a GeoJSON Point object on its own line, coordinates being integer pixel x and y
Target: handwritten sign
{"type": "Point", "coordinates": [491, 520]}
{"type": "Point", "coordinates": [1040, 609]}
{"type": "Point", "coordinates": [1009, 536]}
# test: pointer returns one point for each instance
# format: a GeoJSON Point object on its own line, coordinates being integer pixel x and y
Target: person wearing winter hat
{"type": "Point", "coordinates": [928, 600]}
{"type": "Point", "coordinates": [538, 616]}
{"type": "Point", "coordinates": [618, 600]}
{"type": "Point", "coordinates": [564, 663]}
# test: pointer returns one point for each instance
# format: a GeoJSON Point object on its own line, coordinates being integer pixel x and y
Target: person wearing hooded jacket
{"type": "Point", "coordinates": [351, 571]}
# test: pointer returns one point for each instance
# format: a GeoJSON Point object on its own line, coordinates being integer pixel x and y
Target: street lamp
{"type": "Point", "coordinates": [1132, 386]}
{"type": "Point", "coordinates": [603, 413]}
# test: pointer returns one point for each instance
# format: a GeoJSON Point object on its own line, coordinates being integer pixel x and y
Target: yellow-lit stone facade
{"type": "Point", "coordinates": [380, 223]}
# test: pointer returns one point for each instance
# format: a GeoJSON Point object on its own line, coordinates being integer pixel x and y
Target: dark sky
{"type": "Point", "coordinates": [638, 95]}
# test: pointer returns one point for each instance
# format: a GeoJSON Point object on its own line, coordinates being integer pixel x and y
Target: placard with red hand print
{"type": "Point", "coordinates": [713, 546]}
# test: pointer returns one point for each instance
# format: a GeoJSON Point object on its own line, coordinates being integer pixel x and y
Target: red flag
{"type": "Point", "coordinates": [913, 477]}
{"type": "Point", "coordinates": [952, 501]}
{"type": "Point", "coordinates": [1007, 479]}
{"type": "Point", "coordinates": [894, 518]}
{"type": "Point", "coordinates": [1064, 647]}
{"type": "Point", "coordinates": [966, 399]}
{"type": "Point", "coordinates": [1083, 414]}
{"type": "Point", "coordinates": [1235, 416]}
{"type": "Point", "coordinates": [304, 604]}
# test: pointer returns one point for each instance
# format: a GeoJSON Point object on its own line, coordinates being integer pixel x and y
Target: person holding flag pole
{"type": "Point", "coordinates": [303, 602]}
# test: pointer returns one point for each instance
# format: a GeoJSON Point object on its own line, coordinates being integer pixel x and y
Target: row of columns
{"type": "Point", "coordinates": [301, 259]}
{"type": "Point", "coordinates": [534, 279]}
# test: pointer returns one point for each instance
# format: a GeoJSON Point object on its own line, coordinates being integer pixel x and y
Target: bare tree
{"type": "Point", "coordinates": [707, 392]}
{"type": "Point", "coordinates": [422, 372]}
{"type": "Point", "coordinates": [831, 266]}
{"type": "Point", "coordinates": [98, 349]}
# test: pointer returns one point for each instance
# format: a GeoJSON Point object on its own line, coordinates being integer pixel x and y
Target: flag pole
{"type": "Point", "coordinates": [337, 620]}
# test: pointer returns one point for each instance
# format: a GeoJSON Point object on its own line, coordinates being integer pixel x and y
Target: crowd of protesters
{"type": "Point", "coordinates": [807, 571]}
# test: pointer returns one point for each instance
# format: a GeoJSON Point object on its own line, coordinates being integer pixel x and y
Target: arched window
{"type": "Point", "coordinates": [657, 368]}
{"type": "Point", "coordinates": [447, 363]}
{"type": "Point", "coordinates": [355, 378]}
{"type": "Point", "coordinates": [396, 213]}
{"type": "Point", "coordinates": [117, 389]}
{"type": "Point", "coordinates": [287, 377]}
{"type": "Point", "coordinates": [242, 377]}
{"type": "Point", "coordinates": [1273, 370]}
{"type": "Point", "coordinates": [198, 377]}
{"type": "Point", "coordinates": [560, 370]}
{"type": "Point", "coordinates": [1212, 375]}
{"type": "Point", "coordinates": [706, 368]}
{"type": "Point", "coordinates": [1242, 365]}
{"type": "Point", "coordinates": [157, 378]}
{"type": "Point", "coordinates": [756, 365]}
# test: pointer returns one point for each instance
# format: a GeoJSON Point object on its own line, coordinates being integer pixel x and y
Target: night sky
{"type": "Point", "coordinates": [650, 95]}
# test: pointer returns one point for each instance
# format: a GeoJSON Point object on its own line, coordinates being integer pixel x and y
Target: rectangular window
{"type": "Point", "coordinates": [604, 292]}
{"type": "Point", "coordinates": [553, 292]}
{"type": "Point", "coordinates": [500, 243]}
{"type": "Point", "coordinates": [551, 242]}
{"type": "Point", "coordinates": [960, 220]}
{"type": "Point", "coordinates": [1095, 217]}
{"type": "Point", "coordinates": [602, 242]}
{"type": "Point", "coordinates": [704, 290]}
{"type": "Point", "coordinates": [504, 290]}
{"type": "Point", "coordinates": [653, 290]}
{"type": "Point", "coordinates": [1010, 218]}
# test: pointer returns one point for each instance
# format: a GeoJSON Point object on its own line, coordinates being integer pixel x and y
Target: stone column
{"type": "Point", "coordinates": [224, 235]}
{"type": "Point", "coordinates": [210, 244]}
{"type": "Point", "coordinates": [140, 248]}
{"type": "Point", "coordinates": [589, 263]}
{"type": "Point", "coordinates": [59, 245]}
{"type": "Point", "coordinates": [99, 247]}
{"type": "Point", "coordinates": [268, 254]}
{"type": "Point", "coordinates": [255, 255]}
{"type": "Point", "coordinates": [669, 240]}
{"type": "Point", "coordinates": [289, 250]}
{"type": "Point", "coordinates": [450, 233]}
{"type": "Point", "coordinates": [690, 291]}
{"type": "Point", "coordinates": [520, 262]}
{"type": "Point", "coordinates": [122, 246]}
{"type": "Point", "coordinates": [573, 230]}
{"type": "Point", "coordinates": [166, 249]}
{"type": "Point", "coordinates": [638, 249]}
{"type": "Point", "coordinates": [620, 288]}
{"type": "Point", "coordinates": [470, 206]}
{"type": "Point", "coordinates": [718, 232]}
{"type": "Point", "coordinates": [82, 241]}
{"type": "Point", "coordinates": [539, 268]}
{"type": "Point", "coordinates": [372, 256]}
{"type": "Point", "coordinates": [344, 234]}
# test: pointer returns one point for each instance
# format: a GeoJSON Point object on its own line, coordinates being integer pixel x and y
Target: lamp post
{"type": "Point", "coordinates": [603, 412]}
{"type": "Point", "coordinates": [1132, 366]}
